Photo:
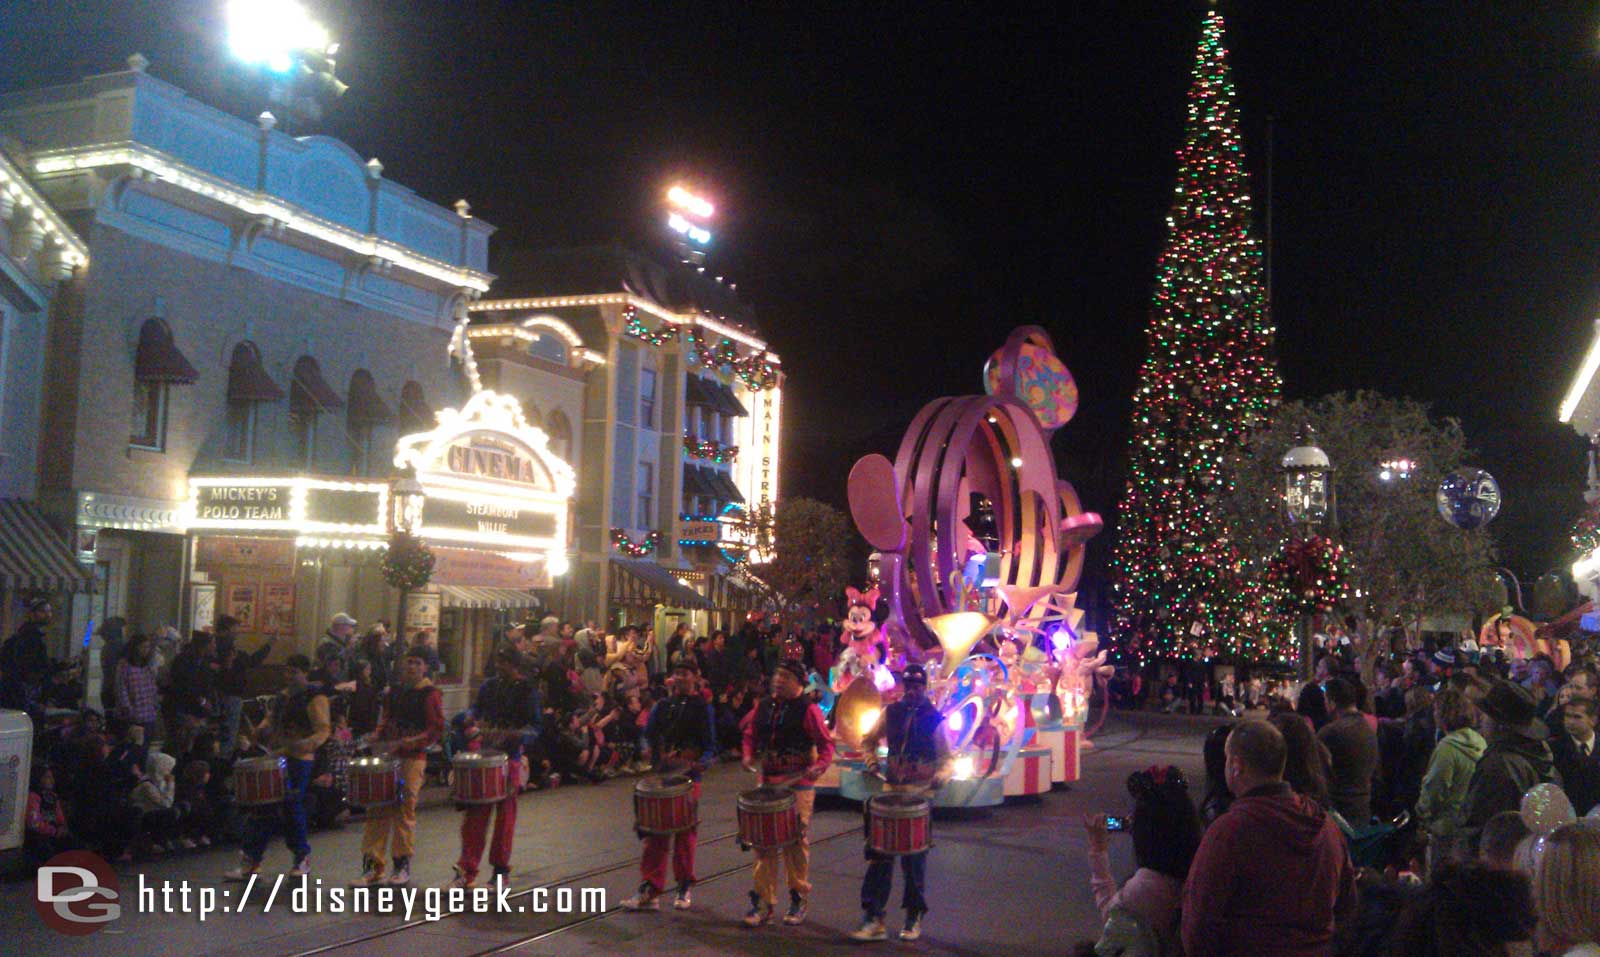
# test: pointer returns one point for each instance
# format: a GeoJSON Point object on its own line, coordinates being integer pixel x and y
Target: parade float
{"type": "Point", "coordinates": [1012, 666]}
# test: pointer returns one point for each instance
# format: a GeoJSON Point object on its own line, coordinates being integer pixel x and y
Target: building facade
{"type": "Point", "coordinates": [680, 431]}
{"type": "Point", "coordinates": [259, 350]}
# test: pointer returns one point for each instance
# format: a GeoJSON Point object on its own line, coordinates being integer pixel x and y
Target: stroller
{"type": "Point", "coordinates": [1379, 843]}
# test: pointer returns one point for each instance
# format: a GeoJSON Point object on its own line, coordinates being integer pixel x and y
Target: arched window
{"type": "Point", "coordinates": [416, 415]}
{"type": "Point", "coordinates": [531, 413]}
{"type": "Point", "coordinates": [560, 432]}
{"type": "Point", "coordinates": [365, 411]}
{"type": "Point", "coordinates": [310, 396]}
{"type": "Point", "coordinates": [248, 386]}
{"type": "Point", "coordinates": [548, 345]}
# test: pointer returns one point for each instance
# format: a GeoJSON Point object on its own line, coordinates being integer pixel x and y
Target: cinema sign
{"type": "Point", "coordinates": [490, 480]}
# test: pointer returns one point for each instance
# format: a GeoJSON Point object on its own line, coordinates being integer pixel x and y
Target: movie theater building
{"type": "Point", "coordinates": [267, 320]}
{"type": "Point", "coordinates": [680, 432]}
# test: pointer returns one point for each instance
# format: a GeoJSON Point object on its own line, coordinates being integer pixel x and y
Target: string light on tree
{"type": "Point", "coordinates": [1209, 376]}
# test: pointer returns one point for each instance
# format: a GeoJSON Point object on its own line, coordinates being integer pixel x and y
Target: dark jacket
{"type": "Point", "coordinates": [1271, 878]}
{"type": "Point", "coordinates": [683, 729]}
{"type": "Point", "coordinates": [24, 667]}
{"type": "Point", "coordinates": [1580, 776]}
{"type": "Point", "coordinates": [1354, 748]}
{"type": "Point", "coordinates": [1513, 763]}
{"type": "Point", "coordinates": [194, 683]}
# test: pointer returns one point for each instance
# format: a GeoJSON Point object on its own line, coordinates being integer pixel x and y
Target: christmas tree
{"type": "Point", "coordinates": [1210, 375]}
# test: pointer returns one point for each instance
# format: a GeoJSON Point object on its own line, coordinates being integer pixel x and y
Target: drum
{"type": "Point", "coordinates": [898, 823]}
{"type": "Point", "coordinates": [665, 805]}
{"type": "Point", "coordinates": [258, 781]}
{"type": "Point", "coordinates": [374, 781]}
{"type": "Point", "coordinates": [767, 818]}
{"type": "Point", "coordinates": [481, 777]}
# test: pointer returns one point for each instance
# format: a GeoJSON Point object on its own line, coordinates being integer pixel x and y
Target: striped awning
{"type": "Point", "coordinates": [659, 583]}
{"type": "Point", "coordinates": [462, 596]}
{"type": "Point", "coordinates": [32, 555]}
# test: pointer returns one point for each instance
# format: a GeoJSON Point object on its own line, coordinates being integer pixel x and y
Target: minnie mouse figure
{"type": "Point", "coordinates": [867, 646]}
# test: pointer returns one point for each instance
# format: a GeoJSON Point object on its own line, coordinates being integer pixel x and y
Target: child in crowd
{"type": "Point", "coordinates": [155, 798]}
{"type": "Point", "coordinates": [330, 779]}
{"type": "Point", "coordinates": [47, 833]}
{"type": "Point", "coordinates": [200, 821]}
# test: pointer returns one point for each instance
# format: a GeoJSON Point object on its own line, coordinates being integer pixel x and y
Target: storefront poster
{"type": "Point", "coordinates": [422, 611]}
{"type": "Point", "coordinates": [203, 606]}
{"type": "Point", "coordinates": [277, 609]}
{"type": "Point", "coordinates": [218, 551]}
{"type": "Point", "coordinates": [242, 604]}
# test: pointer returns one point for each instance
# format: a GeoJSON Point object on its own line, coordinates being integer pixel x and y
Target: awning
{"type": "Point", "coordinates": [158, 358]}
{"type": "Point", "coordinates": [662, 582]}
{"type": "Point", "coordinates": [726, 402]}
{"type": "Point", "coordinates": [366, 406]}
{"type": "Point", "coordinates": [310, 392]}
{"type": "Point", "coordinates": [694, 481]}
{"type": "Point", "coordinates": [696, 393]}
{"type": "Point", "coordinates": [461, 596]}
{"type": "Point", "coordinates": [32, 555]}
{"type": "Point", "coordinates": [726, 490]}
{"type": "Point", "coordinates": [247, 380]}
{"type": "Point", "coordinates": [415, 412]}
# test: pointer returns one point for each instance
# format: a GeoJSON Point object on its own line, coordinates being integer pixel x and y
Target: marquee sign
{"type": "Point", "coordinates": [298, 504]}
{"type": "Point", "coordinates": [490, 480]}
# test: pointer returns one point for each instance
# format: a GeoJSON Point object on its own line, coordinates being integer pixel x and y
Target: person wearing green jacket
{"type": "Point", "coordinates": [1442, 802]}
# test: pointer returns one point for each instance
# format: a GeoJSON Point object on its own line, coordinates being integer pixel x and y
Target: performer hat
{"type": "Point", "coordinates": [794, 668]}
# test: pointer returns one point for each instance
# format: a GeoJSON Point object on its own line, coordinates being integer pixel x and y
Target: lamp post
{"type": "Point", "coordinates": [1308, 502]}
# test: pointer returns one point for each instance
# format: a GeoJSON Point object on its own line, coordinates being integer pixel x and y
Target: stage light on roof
{"type": "Point", "coordinates": [270, 32]}
{"type": "Point", "coordinates": [690, 203]}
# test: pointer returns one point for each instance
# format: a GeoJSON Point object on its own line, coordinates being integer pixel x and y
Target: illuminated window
{"type": "Point", "coordinates": [149, 426]}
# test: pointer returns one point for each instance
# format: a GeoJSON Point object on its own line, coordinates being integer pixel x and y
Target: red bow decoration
{"type": "Point", "coordinates": [868, 598]}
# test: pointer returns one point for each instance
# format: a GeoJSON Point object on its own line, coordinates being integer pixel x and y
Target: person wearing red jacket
{"type": "Point", "coordinates": [789, 735]}
{"type": "Point", "coordinates": [1273, 876]}
{"type": "Point", "coordinates": [412, 722]}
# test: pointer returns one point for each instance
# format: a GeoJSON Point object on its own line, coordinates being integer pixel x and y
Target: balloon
{"type": "Point", "coordinates": [1545, 807]}
{"type": "Point", "coordinates": [1469, 499]}
{"type": "Point", "coordinates": [1042, 382]}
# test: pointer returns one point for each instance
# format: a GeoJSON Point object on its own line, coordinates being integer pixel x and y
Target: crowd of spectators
{"type": "Point", "coordinates": [1452, 809]}
{"type": "Point", "coordinates": [149, 771]}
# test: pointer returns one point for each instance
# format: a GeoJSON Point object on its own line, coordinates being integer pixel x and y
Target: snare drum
{"type": "Point", "coordinates": [768, 818]}
{"type": "Point", "coordinates": [259, 781]}
{"type": "Point", "coordinates": [898, 823]}
{"type": "Point", "coordinates": [481, 777]}
{"type": "Point", "coordinates": [665, 805]}
{"type": "Point", "coordinates": [374, 781]}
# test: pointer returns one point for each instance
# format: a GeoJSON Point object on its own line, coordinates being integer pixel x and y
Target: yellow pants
{"type": "Point", "coordinates": [796, 857]}
{"type": "Point", "coordinates": [395, 825]}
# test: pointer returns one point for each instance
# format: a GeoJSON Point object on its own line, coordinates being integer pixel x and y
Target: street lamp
{"type": "Point", "coordinates": [1308, 501]}
{"type": "Point", "coordinates": [296, 52]}
{"type": "Point", "coordinates": [1307, 482]}
{"type": "Point", "coordinates": [405, 505]}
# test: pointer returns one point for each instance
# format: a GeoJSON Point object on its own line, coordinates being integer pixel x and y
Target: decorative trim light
{"type": "Point", "coordinates": [16, 191]}
{"type": "Point", "coordinates": [254, 203]}
{"type": "Point", "coordinates": [1580, 385]}
{"type": "Point", "coordinates": [624, 299]}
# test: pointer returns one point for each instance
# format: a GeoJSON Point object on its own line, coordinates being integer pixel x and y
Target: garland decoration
{"type": "Point", "coordinates": [407, 562]}
{"type": "Point", "coordinates": [753, 370]}
{"type": "Point", "coordinates": [659, 336]}
{"type": "Point", "coordinates": [1310, 574]}
{"type": "Point", "coordinates": [1586, 532]}
{"type": "Point", "coordinates": [710, 449]}
{"type": "Point", "coordinates": [627, 546]}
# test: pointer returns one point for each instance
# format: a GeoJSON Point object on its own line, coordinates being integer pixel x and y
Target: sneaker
{"type": "Point", "coordinates": [682, 902]}
{"type": "Point", "coordinates": [186, 844]}
{"type": "Point", "coordinates": [760, 912]}
{"type": "Point", "coordinates": [501, 872]}
{"type": "Point", "coordinates": [871, 929]}
{"type": "Point", "coordinates": [302, 866]}
{"type": "Point", "coordinates": [797, 909]}
{"type": "Point", "coordinates": [371, 873]}
{"type": "Point", "coordinates": [461, 879]}
{"type": "Point", "coordinates": [913, 928]}
{"type": "Point", "coordinates": [242, 873]}
{"type": "Point", "coordinates": [646, 899]}
{"type": "Point", "coordinates": [402, 872]}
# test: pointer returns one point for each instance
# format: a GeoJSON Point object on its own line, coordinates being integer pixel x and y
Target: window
{"type": "Point", "coordinates": [646, 517]}
{"type": "Point", "coordinates": [360, 446]}
{"type": "Point", "coordinates": [531, 413]}
{"type": "Point", "coordinates": [241, 439]}
{"type": "Point", "coordinates": [560, 432]}
{"type": "Point", "coordinates": [149, 416]}
{"type": "Point", "coordinates": [304, 426]}
{"type": "Point", "coordinates": [548, 345]}
{"type": "Point", "coordinates": [647, 398]}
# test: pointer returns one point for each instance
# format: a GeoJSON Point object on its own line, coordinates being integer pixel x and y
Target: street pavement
{"type": "Point", "coordinates": [1011, 880]}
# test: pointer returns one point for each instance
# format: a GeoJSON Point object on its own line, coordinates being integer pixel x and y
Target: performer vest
{"type": "Point", "coordinates": [910, 733]}
{"type": "Point", "coordinates": [781, 727]}
{"type": "Point", "coordinates": [684, 727]}
{"type": "Point", "coordinates": [506, 704]}
{"type": "Point", "coordinates": [409, 708]}
{"type": "Point", "coordinates": [294, 713]}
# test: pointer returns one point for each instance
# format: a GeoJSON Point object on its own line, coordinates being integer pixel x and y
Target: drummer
{"type": "Point", "coordinates": [508, 713]}
{"type": "Point", "coordinates": [412, 722]}
{"type": "Point", "coordinates": [919, 759]}
{"type": "Point", "coordinates": [790, 736]}
{"type": "Point", "coordinates": [682, 731]}
{"type": "Point", "coordinates": [295, 726]}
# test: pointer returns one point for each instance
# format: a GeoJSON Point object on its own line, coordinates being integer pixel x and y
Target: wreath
{"type": "Point", "coordinates": [407, 563]}
{"type": "Point", "coordinates": [1310, 574]}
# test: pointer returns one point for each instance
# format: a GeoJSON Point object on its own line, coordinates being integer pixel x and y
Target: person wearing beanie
{"type": "Point", "coordinates": [787, 733]}
{"type": "Point", "coordinates": [412, 722]}
{"type": "Point", "coordinates": [506, 714]}
{"type": "Point", "coordinates": [295, 727]}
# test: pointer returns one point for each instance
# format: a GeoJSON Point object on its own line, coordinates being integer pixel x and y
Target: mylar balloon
{"type": "Point", "coordinates": [1469, 499]}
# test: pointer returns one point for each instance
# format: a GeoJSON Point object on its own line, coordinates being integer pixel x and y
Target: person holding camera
{"type": "Point", "coordinates": [1141, 916]}
{"type": "Point", "coordinates": [919, 758]}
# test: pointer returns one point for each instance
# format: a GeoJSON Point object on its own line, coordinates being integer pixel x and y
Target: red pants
{"type": "Point", "coordinates": [653, 868]}
{"type": "Point", "coordinates": [475, 823]}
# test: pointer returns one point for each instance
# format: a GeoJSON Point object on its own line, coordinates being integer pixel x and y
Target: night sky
{"type": "Point", "coordinates": [899, 185]}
